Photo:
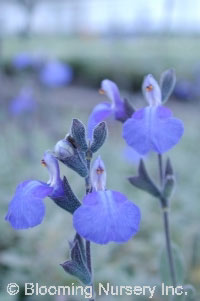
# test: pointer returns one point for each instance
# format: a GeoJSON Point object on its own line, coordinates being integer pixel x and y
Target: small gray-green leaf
{"type": "Point", "coordinates": [143, 181]}
{"type": "Point", "coordinates": [99, 136]}
{"type": "Point", "coordinates": [167, 83]}
{"type": "Point", "coordinates": [169, 171]}
{"type": "Point", "coordinates": [76, 162]}
{"type": "Point", "coordinates": [78, 133]}
{"type": "Point", "coordinates": [79, 271]}
{"type": "Point", "coordinates": [179, 266]}
{"type": "Point", "coordinates": [69, 202]}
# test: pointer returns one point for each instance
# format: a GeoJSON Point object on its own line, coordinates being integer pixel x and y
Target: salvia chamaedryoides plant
{"type": "Point", "coordinates": [151, 129]}
{"type": "Point", "coordinates": [102, 216]}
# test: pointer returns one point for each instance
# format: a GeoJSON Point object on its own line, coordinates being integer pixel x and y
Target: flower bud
{"type": "Point", "coordinates": [67, 152]}
{"type": "Point", "coordinates": [63, 149]}
{"type": "Point", "coordinates": [98, 175]}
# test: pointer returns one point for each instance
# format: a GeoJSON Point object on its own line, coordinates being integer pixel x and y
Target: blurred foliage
{"type": "Point", "coordinates": [124, 60]}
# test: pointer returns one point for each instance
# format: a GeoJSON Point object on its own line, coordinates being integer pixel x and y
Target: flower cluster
{"type": "Point", "coordinates": [102, 216]}
{"type": "Point", "coordinates": [152, 128]}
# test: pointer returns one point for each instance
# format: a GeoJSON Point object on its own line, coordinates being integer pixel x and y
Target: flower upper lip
{"type": "Point", "coordinates": [43, 163]}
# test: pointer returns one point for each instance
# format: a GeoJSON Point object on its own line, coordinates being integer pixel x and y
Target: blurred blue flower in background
{"type": "Point", "coordinates": [23, 103]}
{"type": "Point", "coordinates": [27, 209]}
{"type": "Point", "coordinates": [184, 89]}
{"type": "Point", "coordinates": [106, 215]}
{"type": "Point", "coordinates": [55, 73]}
{"type": "Point", "coordinates": [152, 128]}
{"type": "Point", "coordinates": [24, 60]}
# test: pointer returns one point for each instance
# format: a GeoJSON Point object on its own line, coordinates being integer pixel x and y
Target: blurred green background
{"type": "Point", "coordinates": [124, 56]}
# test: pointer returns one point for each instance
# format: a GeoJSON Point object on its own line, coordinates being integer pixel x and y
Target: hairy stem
{"type": "Point", "coordinates": [88, 255]}
{"type": "Point", "coordinates": [88, 188]}
{"type": "Point", "coordinates": [161, 174]}
{"type": "Point", "coordinates": [165, 208]}
{"type": "Point", "coordinates": [169, 247]}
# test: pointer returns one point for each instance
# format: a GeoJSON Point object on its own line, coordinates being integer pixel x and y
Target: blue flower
{"type": "Point", "coordinates": [24, 102]}
{"type": "Point", "coordinates": [107, 109]}
{"type": "Point", "coordinates": [55, 73]}
{"type": "Point", "coordinates": [27, 209]}
{"type": "Point", "coordinates": [26, 60]}
{"type": "Point", "coordinates": [152, 128]}
{"type": "Point", "coordinates": [106, 215]}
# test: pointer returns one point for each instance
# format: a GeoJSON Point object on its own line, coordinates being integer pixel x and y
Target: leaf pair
{"type": "Point", "coordinates": [77, 265]}
{"type": "Point", "coordinates": [144, 182]}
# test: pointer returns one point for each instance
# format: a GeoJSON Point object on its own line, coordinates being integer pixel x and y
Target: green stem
{"type": "Point", "coordinates": [88, 255]}
{"type": "Point", "coordinates": [169, 247]}
{"type": "Point", "coordinates": [165, 208]}
{"type": "Point", "coordinates": [161, 174]}
{"type": "Point", "coordinates": [88, 188]}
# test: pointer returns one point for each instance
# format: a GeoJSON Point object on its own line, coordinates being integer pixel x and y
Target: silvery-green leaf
{"type": "Point", "coordinates": [143, 181]}
{"type": "Point", "coordinates": [77, 162]}
{"type": "Point", "coordinates": [69, 202]}
{"type": "Point", "coordinates": [167, 83]}
{"type": "Point", "coordinates": [78, 133]}
{"type": "Point", "coordinates": [79, 271]}
{"type": "Point", "coordinates": [99, 136]}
